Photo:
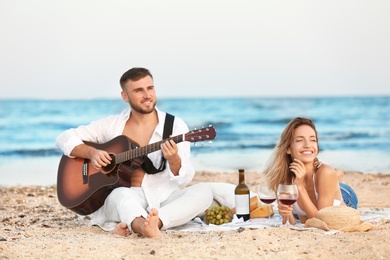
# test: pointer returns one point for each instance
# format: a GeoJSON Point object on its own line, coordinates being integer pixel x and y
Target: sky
{"type": "Point", "coordinates": [78, 49]}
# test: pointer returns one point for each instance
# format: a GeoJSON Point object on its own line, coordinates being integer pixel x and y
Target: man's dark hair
{"type": "Point", "coordinates": [134, 74]}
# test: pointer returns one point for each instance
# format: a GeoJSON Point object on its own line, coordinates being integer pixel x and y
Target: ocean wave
{"type": "Point", "coordinates": [354, 135]}
{"type": "Point", "coordinates": [31, 153]}
{"type": "Point", "coordinates": [270, 121]}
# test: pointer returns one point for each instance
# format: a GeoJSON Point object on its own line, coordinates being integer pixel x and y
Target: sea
{"type": "Point", "coordinates": [354, 132]}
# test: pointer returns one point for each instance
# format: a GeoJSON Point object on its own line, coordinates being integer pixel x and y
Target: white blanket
{"type": "Point", "coordinates": [374, 216]}
{"type": "Point", "coordinates": [224, 195]}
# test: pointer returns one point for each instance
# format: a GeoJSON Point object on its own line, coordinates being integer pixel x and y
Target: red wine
{"type": "Point", "coordinates": [287, 201]}
{"type": "Point", "coordinates": [267, 200]}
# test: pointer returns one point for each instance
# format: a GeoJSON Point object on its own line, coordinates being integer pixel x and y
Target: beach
{"type": "Point", "coordinates": [233, 80]}
{"type": "Point", "coordinates": [34, 225]}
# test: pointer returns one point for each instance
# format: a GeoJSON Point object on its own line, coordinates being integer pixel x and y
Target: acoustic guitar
{"type": "Point", "coordinates": [83, 189]}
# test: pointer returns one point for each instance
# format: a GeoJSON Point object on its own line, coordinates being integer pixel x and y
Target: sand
{"type": "Point", "coordinates": [33, 225]}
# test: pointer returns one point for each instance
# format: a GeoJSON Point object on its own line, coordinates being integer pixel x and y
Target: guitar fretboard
{"type": "Point", "coordinates": [141, 151]}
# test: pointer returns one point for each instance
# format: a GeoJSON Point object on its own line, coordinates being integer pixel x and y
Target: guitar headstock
{"type": "Point", "coordinates": [199, 135]}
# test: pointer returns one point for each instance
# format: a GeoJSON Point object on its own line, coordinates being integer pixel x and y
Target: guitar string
{"type": "Point", "coordinates": [140, 151]}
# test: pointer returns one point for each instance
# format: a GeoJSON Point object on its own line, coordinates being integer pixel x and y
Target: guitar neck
{"type": "Point", "coordinates": [141, 151]}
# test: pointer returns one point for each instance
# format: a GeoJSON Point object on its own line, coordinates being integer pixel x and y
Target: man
{"type": "Point", "coordinates": [154, 201]}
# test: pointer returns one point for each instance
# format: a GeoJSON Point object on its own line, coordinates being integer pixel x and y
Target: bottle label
{"type": "Point", "coordinates": [242, 204]}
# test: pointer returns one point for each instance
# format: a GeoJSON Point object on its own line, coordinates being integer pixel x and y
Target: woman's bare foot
{"type": "Point", "coordinates": [122, 230]}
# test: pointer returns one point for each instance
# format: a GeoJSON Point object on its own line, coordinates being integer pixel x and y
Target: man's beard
{"type": "Point", "coordinates": [140, 109]}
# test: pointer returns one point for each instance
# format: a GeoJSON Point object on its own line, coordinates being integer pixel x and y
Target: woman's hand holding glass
{"type": "Point", "coordinates": [287, 195]}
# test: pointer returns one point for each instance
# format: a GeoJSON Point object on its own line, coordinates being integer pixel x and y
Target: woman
{"type": "Point", "coordinates": [294, 160]}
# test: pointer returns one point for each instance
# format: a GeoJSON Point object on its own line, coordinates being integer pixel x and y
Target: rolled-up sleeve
{"type": "Point", "coordinates": [67, 141]}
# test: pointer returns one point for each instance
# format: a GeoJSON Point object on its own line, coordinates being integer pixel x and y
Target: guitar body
{"type": "Point", "coordinates": [83, 189]}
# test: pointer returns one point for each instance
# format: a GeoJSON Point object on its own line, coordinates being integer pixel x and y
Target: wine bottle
{"type": "Point", "coordinates": [242, 197]}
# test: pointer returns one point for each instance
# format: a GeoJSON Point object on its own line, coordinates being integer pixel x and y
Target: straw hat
{"type": "Point", "coordinates": [341, 218]}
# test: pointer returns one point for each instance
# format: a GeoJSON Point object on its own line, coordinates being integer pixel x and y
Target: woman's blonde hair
{"type": "Point", "coordinates": [277, 169]}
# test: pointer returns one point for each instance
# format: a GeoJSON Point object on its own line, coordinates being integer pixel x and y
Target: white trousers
{"type": "Point", "coordinates": [125, 204]}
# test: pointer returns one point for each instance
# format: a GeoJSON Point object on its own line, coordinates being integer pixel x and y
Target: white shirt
{"type": "Point", "coordinates": [157, 187]}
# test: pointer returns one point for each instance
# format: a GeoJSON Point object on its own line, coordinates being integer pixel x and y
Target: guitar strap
{"type": "Point", "coordinates": [147, 165]}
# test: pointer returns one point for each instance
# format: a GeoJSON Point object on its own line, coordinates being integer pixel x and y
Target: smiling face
{"type": "Point", "coordinates": [303, 145]}
{"type": "Point", "coordinates": [140, 95]}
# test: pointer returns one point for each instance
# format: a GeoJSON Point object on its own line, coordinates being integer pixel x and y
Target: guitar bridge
{"type": "Point", "coordinates": [85, 171]}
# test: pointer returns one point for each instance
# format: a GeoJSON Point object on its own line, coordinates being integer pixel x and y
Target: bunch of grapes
{"type": "Point", "coordinates": [218, 215]}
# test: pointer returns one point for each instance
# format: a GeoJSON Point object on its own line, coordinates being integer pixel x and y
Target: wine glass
{"type": "Point", "coordinates": [287, 194]}
{"type": "Point", "coordinates": [267, 196]}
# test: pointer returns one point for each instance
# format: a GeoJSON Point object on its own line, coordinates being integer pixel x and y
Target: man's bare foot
{"type": "Point", "coordinates": [122, 230]}
{"type": "Point", "coordinates": [151, 226]}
